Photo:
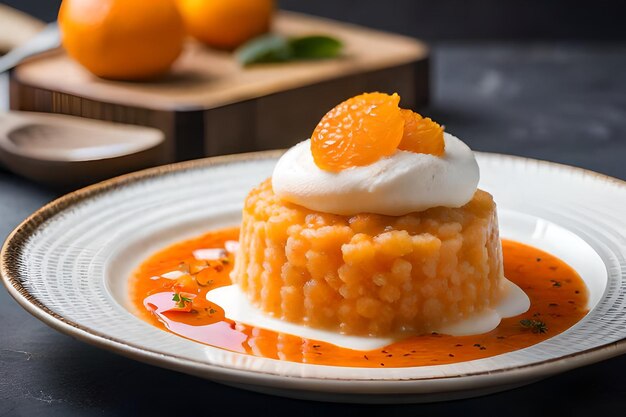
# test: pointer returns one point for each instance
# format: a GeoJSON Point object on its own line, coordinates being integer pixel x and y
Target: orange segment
{"type": "Point", "coordinates": [358, 132]}
{"type": "Point", "coordinates": [421, 135]}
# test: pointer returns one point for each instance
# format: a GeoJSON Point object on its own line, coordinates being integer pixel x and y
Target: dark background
{"type": "Point", "coordinates": [452, 19]}
{"type": "Point", "coordinates": [544, 79]}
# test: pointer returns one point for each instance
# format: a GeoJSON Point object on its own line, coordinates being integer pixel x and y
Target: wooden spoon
{"type": "Point", "coordinates": [65, 150]}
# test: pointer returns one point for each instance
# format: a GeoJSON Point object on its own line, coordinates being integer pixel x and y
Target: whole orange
{"type": "Point", "coordinates": [226, 24]}
{"type": "Point", "coordinates": [122, 39]}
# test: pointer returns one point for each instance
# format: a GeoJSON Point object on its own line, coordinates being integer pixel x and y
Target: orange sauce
{"type": "Point", "coordinates": [558, 300]}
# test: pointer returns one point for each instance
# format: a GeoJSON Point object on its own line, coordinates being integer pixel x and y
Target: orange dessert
{"type": "Point", "coordinates": [373, 228]}
{"type": "Point", "coordinates": [368, 273]}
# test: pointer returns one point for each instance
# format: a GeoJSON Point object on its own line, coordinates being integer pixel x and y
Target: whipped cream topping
{"type": "Point", "coordinates": [402, 183]}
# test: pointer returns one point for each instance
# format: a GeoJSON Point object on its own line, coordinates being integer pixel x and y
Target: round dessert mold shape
{"type": "Point", "coordinates": [69, 265]}
{"type": "Point", "coordinates": [366, 274]}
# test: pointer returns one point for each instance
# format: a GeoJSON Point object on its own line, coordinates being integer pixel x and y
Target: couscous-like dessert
{"type": "Point", "coordinates": [371, 247]}
{"type": "Point", "coordinates": [369, 273]}
{"type": "Point", "coordinates": [374, 226]}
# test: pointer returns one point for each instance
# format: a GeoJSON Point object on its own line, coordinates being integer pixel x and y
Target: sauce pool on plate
{"type": "Point", "coordinates": [169, 291]}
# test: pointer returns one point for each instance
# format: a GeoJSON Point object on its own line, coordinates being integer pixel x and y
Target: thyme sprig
{"type": "Point", "coordinates": [536, 326]}
{"type": "Point", "coordinates": [181, 300]}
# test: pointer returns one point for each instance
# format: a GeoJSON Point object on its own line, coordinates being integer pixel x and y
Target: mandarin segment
{"type": "Point", "coordinates": [421, 135]}
{"type": "Point", "coordinates": [358, 132]}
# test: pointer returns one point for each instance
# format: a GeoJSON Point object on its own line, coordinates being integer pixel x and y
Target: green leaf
{"type": "Point", "coordinates": [266, 48]}
{"type": "Point", "coordinates": [315, 47]}
{"type": "Point", "coordinates": [277, 48]}
{"type": "Point", "coordinates": [536, 326]}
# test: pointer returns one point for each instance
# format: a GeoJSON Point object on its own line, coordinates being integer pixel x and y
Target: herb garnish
{"type": "Point", "coordinates": [279, 48]}
{"type": "Point", "coordinates": [536, 326]}
{"type": "Point", "coordinates": [181, 300]}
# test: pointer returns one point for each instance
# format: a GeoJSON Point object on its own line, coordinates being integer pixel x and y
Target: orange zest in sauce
{"type": "Point", "coordinates": [558, 300]}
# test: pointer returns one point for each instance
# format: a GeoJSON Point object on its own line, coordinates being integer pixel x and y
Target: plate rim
{"type": "Point", "coordinates": [453, 382]}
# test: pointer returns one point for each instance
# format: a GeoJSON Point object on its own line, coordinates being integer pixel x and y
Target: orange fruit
{"type": "Point", "coordinates": [358, 132]}
{"type": "Point", "coordinates": [122, 39]}
{"type": "Point", "coordinates": [226, 24]}
{"type": "Point", "coordinates": [365, 128]}
{"type": "Point", "coordinates": [421, 135]}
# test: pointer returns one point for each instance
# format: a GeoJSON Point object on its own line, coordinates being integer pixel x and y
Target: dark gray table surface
{"type": "Point", "coordinates": [558, 102]}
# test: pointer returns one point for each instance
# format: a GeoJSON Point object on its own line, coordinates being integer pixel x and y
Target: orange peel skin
{"type": "Point", "coordinates": [421, 135]}
{"type": "Point", "coordinates": [358, 132]}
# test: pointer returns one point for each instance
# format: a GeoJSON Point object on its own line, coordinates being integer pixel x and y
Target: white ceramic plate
{"type": "Point", "coordinates": [69, 263]}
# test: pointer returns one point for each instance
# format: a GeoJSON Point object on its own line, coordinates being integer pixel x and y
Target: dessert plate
{"type": "Point", "coordinates": [68, 264]}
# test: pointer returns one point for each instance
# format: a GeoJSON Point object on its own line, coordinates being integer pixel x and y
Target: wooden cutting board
{"type": "Point", "coordinates": [210, 105]}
